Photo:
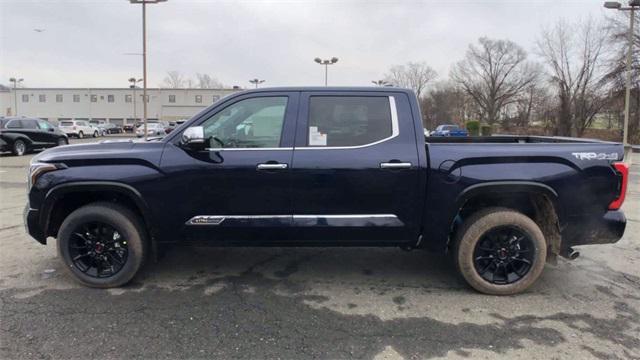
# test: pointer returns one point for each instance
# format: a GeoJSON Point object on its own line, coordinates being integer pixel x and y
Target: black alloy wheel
{"type": "Point", "coordinates": [98, 249]}
{"type": "Point", "coordinates": [504, 255]}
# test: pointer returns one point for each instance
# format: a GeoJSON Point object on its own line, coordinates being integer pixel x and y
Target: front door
{"type": "Point", "coordinates": [238, 189]}
{"type": "Point", "coordinates": [355, 171]}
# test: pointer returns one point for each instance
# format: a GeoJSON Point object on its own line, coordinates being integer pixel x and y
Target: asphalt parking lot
{"type": "Point", "coordinates": [312, 302]}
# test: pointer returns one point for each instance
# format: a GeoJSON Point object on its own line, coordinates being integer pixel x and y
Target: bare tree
{"type": "Point", "coordinates": [575, 55]}
{"type": "Point", "coordinates": [446, 103]}
{"type": "Point", "coordinates": [493, 74]}
{"type": "Point", "coordinates": [205, 81]}
{"type": "Point", "coordinates": [413, 75]}
{"type": "Point", "coordinates": [174, 80]}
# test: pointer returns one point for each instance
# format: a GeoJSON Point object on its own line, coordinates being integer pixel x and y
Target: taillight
{"type": "Point", "coordinates": [623, 170]}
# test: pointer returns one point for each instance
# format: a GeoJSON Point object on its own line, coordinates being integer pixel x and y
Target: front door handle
{"type": "Point", "coordinates": [272, 166]}
{"type": "Point", "coordinates": [395, 165]}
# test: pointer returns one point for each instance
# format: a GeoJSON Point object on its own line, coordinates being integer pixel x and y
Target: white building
{"type": "Point", "coordinates": [114, 105]}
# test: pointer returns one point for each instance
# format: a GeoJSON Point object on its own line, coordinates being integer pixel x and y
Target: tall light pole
{"type": "Point", "coordinates": [381, 82]}
{"type": "Point", "coordinates": [133, 86]}
{"type": "Point", "coordinates": [633, 6]}
{"type": "Point", "coordinates": [326, 64]}
{"type": "Point", "coordinates": [256, 82]}
{"type": "Point", "coordinates": [144, 56]}
{"type": "Point", "coordinates": [15, 82]}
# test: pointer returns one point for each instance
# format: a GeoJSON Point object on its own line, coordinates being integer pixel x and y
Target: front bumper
{"type": "Point", "coordinates": [607, 229]}
{"type": "Point", "coordinates": [31, 223]}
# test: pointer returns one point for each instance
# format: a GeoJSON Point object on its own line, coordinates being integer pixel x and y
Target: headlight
{"type": "Point", "coordinates": [36, 169]}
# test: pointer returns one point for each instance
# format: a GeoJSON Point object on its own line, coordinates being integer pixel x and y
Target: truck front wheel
{"type": "Point", "coordinates": [500, 251]}
{"type": "Point", "coordinates": [102, 245]}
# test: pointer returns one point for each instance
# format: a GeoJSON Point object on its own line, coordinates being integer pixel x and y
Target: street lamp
{"type": "Point", "coordinates": [256, 82]}
{"type": "Point", "coordinates": [326, 64]}
{"type": "Point", "coordinates": [15, 82]}
{"type": "Point", "coordinates": [633, 6]}
{"type": "Point", "coordinates": [133, 86]}
{"type": "Point", "coordinates": [381, 82]}
{"type": "Point", "coordinates": [144, 56]}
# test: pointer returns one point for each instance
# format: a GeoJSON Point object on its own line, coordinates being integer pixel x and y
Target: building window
{"type": "Point", "coordinates": [25, 98]}
{"type": "Point", "coordinates": [216, 98]}
{"type": "Point", "coordinates": [42, 98]}
{"type": "Point", "coordinates": [146, 98]}
{"type": "Point", "coordinates": [172, 98]}
{"type": "Point", "coordinates": [110, 98]}
{"type": "Point", "coordinates": [127, 98]}
{"type": "Point", "coordinates": [58, 97]}
{"type": "Point", "coordinates": [94, 98]}
{"type": "Point", "coordinates": [76, 98]}
{"type": "Point", "coordinates": [199, 99]}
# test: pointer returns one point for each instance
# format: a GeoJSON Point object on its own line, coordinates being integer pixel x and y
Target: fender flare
{"type": "Point", "coordinates": [55, 193]}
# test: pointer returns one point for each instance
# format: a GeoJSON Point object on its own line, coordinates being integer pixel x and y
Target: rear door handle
{"type": "Point", "coordinates": [270, 166]}
{"type": "Point", "coordinates": [395, 165]}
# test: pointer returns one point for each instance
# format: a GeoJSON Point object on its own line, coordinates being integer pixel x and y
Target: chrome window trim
{"type": "Point", "coordinates": [395, 131]}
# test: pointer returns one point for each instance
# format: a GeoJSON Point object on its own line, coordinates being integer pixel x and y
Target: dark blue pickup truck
{"type": "Point", "coordinates": [327, 167]}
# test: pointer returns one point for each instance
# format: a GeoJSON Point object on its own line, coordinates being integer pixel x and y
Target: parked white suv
{"type": "Point", "coordinates": [78, 128]}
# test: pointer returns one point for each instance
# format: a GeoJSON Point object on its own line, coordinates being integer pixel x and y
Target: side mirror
{"type": "Point", "coordinates": [193, 138]}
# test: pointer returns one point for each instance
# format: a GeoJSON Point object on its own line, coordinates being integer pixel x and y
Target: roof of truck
{"type": "Point", "coordinates": [332, 89]}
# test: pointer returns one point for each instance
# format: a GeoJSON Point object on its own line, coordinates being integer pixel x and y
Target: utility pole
{"type": "Point", "coordinates": [144, 57]}
{"type": "Point", "coordinates": [15, 82]}
{"type": "Point", "coordinates": [633, 6]}
{"type": "Point", "coordinates": [133, 86]}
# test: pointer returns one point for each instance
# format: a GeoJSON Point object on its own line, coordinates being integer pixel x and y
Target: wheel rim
{"type": "Point", "coordinates": [98, 249]}
{"type": "Point", "coordinates": [504, 255]}
{"type": "Point", "coordinates": [20, 147]}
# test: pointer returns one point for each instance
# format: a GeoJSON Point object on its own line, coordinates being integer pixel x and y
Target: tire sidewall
{"type": "Point", "coordinates": [119, 219]}
{"type": "Point", "coordinates": [478, 225]}
{"type": "Point", "coordinates": [80, 135]}
{"type": "Point", "coordinates": [62, 141]}
{"type": "Point", "coordinates": [16, 147]}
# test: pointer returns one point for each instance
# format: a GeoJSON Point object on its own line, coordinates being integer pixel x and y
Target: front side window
{"type": "Point", "coordinates": [42, 98]}
{"type": "Point", "coordinates": [44, 125]}
{"type": "Point", "coordinates": [58, 97]}
{"type": "Point", "coordinates": [348, 120]}
{"type": "Point", "coordinates": [249, 123]}
{"type": "Point", "coordinates": [29, 124]}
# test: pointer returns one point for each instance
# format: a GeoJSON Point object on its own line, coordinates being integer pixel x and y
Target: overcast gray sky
{"type": "Point", "coordinates": [84, 42]}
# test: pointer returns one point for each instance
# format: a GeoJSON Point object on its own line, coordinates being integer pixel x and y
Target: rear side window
{"type": "Point", "coordinates": [349, 120]}
{"type": "Point", "coordinates": [66, 123]}
{"type": "Point", "coordinates": [14, 124]}
{"type": "Point", "coordinates": [30, 124]}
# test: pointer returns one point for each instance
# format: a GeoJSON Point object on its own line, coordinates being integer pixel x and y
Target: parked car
{"type": "Point", "coordinates": [111, 128]}
{"type": "Point", "coordinates": [129, 128]}
{"type": "Point", "coordinates": [78, 128]}
{"type": "Point", "coordinates": [153, 129]}
{"type": "Point", "coordinates": [449, 130]}
{"type": "Point", "coordinates": [21, 135]}
{"type": "Point", "coordinates": [173, 125]}
{"type": "Point", "coordinates": [328, 167]}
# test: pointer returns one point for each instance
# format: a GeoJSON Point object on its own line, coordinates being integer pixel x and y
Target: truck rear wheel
{"type": "Point", "coordinates": [102, 245]}
{"type": "Point", "coordinates": [500, 251]}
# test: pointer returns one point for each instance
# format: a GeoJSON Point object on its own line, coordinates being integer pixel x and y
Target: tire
{"type": "Point", "coordinates": [96, 134]}
{"type": "Point", "coordinates": [19, 147]}
{"type": "Point", "coordinates": [80, 135]}
{"type": "Point", "coordinates": [130, 234]}
{"type": "Point", "coordinates": [62, 141]}
{"type": "Point", "coordinates": [478, 231]}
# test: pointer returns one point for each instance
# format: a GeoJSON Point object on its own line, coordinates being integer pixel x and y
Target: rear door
{"type": "Point", "coordinates": [355, 173]}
